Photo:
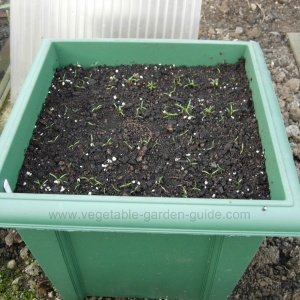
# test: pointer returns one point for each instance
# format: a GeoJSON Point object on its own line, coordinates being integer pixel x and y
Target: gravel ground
{"type": "Point", "coordinates": [275, 270]}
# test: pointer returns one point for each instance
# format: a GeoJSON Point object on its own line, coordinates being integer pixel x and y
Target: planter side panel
{"type": "Point", "coordinates": [233, 258]}
{"type": "Point", "coordinates": [47, 246]}
{"type": "Point", "coordinates": [25, 114]}
{"type": "Point", "coordinates": [141, 265]}
{"type": "Point", "coordinates": [268, 113]}
{"type": "Point", "coordinates": [116, 53]}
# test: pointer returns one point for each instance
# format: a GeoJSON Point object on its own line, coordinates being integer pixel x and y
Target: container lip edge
{"type": "Point", "coordinates": [287, 168]}
{"type": "Point", "coordinates": [229, 233]}
{"type": "Point", "coordinates": [37, 65]}
{"type": "Point", "coordinates": [74, 198]}
{"type": "Point", "coordinates": [19, 107]}
{"type": "Point", "coordinates": [149, 41]}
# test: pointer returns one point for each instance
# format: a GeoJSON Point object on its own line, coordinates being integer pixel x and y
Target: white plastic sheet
{"type": "Point", "coordinates": [33, 20]}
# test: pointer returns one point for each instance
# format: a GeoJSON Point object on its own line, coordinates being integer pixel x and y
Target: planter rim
{"type": "Point", "coordinates": [23, 211]}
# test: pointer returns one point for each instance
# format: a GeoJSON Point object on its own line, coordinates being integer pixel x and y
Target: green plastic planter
{"type": "Point", "coordinates": [171, 255]}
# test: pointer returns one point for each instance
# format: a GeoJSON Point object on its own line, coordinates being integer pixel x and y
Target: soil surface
{"type": "Point", "coordinates": [275, 270]}
{"type": "Point", "coordinates": [103, 130]}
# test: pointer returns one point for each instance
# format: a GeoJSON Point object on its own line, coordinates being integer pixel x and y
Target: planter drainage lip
{"type": "Point", "coordinates": [259, 218]}
{"type": "Point", "coordinates": [277, 217]}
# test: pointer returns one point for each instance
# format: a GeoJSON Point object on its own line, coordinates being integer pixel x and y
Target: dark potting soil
{"type": "Point", "coordinates": [147, 130]}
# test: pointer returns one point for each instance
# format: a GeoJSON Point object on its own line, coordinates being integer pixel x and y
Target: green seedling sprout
{"type": "Point", "coordinates": [145, 141]}
{"type": "Point", "coordinates": [190, 84]}
{"type": "Point", "coordinates": [176, 81]}
{"type": "Point", "coordinates": [41, 184]}
{"type": "Point", "coordinates": [151, 85]}
{"type": "Point", "coordinates": [206, 172]}
{"type": "Point", "coordinates": [183, 133]}
{"type": "Point", "coordinates": [184, 191]}
{"type": "Point", "coordinates": [96, 182]}
{"type": "Point", "coordinates": [185, 109]}
{"type": "Point", "coordinates": [58, 179]}
{"type": "Point", "coordinates": [212, 173]}
{"type": "Point", "coordinates": [207, 111]}
{"type": "Point", "coordinates": [93, 181]}
{"type": "Point", "coordinates": [112, 82]}
{"type": "Point", "coordinates": [119, 109]}
{"type": "Point", "coordinates": [73, 145]}
{"type": "Point", "coordinates": [140, 109]}
{"type": "Point", "coordinates": [115, 188]}
{"type": "Point", "coordinates": [81, 86]}
{"type": "Point", "coordinates": [127, 184]}
{"type": "Point", "coordinates": [135, 189]}
{"type": "Point", "coordinates": [192, 162]}
{"type": "Point", "coordinates": [214, 82]}
{"type": "Point", "coordinates": [133, 79]}
{"type": "Point", "coordinates": [231, 110]}
{"type": "Point", "coordinates": [66, 110]}
{"type": "Point", "coordinates": [242, 148]}
{"type": "Point", "coordinates": [169, 114]}
{"type": "Point", "coordinates": [113, 78]}
{"type": "Point", "coordinates": [212, 145]}
{"type": "Point", "coordinates": [239, 182]}
{"type": "Point", "coordinates": [190, 142]}
{"type": "Point", "coordinates": [159, 182]}
{"type": "Point", "coordinates": [195, 188]}
{"type": "Point", "coordinates": [170, 93]}
{"type": "Point", "coordinates": [96, 108]}
{"type": "Point", "coordinates": [156, 143]}
{"type": "Point", "coordinates": [128, 145]}
{"type": "Point", "coordinates": [49, 126]}
{"type": "Point", "coordinates": [54, 140]}
{"type": "Point", "coordinates": [107, 143]}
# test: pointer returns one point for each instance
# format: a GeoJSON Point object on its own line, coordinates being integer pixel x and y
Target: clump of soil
{"type": "Point", "coordinates": [147, 130]}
